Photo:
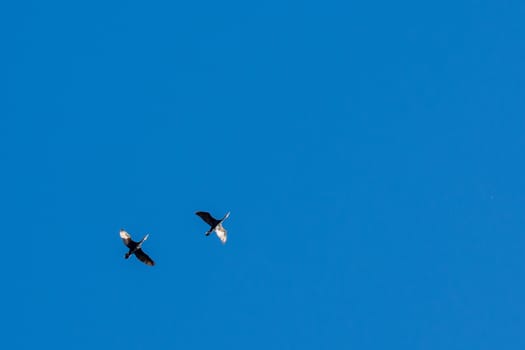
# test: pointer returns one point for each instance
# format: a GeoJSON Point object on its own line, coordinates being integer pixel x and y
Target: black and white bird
{"type": "Point", "coordinates": [215, 225]}
{"type": "Point", "coordinates": [135, 248]}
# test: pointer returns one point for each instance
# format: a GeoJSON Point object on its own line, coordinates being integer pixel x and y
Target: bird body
{"type": "Point", "coordinates": [215, 225]}
{"type": "Point", "coordinates": [135, 248]}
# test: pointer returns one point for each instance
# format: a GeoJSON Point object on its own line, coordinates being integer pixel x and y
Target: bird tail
{"type": "Point", "coordinates": [127, 255]}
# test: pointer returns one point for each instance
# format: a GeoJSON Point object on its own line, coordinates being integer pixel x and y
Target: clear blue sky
{"type": "Point", "coordinates": [371, 154]}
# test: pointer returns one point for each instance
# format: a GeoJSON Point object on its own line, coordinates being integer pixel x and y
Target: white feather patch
{"type": "Point", "coordinates": [124, 235]}
{"type": "Point", "coordinates": [221, 233]}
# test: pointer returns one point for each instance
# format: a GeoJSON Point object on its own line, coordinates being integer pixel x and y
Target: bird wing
{"type": "Point", "coordinates": [139, 253]}
{"type": "Point", "coordinates": [225, 216]}
{"type": "Point", "coordinates": [126, 238]}
{"type": "Point", "coordinates": [210, 220]}
{"type": "Point", "coordinates": [221, 233]}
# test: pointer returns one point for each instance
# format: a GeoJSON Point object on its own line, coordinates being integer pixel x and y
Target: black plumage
{"type": "Point", "coordinates": [210, 220]}
{"type": "Point", "coordinates": [215, 225]}
{"type": "Point", "coordinates": [135, 248]}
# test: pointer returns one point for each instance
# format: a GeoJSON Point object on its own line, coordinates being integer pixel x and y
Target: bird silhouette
{"type": "Point", "coordinates": [215, 225]}
{"type": "Point", "coordinates": [135, 248]}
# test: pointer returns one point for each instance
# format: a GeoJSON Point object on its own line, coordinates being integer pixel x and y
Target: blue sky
{"type": "Point", "coordinates": [371, 155]}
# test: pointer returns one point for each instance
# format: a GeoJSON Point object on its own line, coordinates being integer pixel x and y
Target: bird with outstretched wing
{"type": "Point", "coordinates": [135, 248]}
{"type": "Point", "coordinates": [215, 225]}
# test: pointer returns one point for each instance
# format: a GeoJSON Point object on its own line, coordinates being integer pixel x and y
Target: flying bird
{"type": "Point", "coordinates": [215, 225]}
{"type": "Point", "coordinates": [135, 248]}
